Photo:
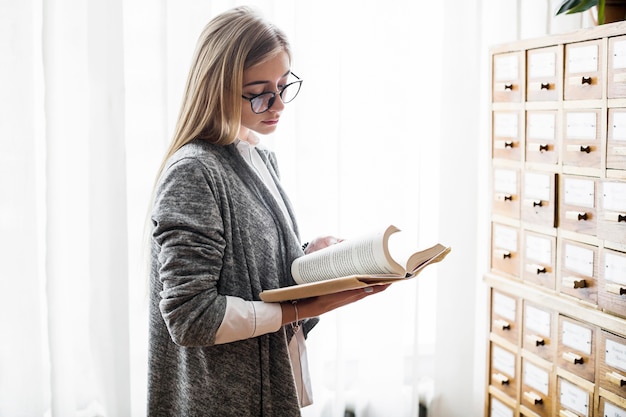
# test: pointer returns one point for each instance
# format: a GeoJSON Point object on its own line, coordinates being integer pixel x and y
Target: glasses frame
{"type": "Point", "coordinates": [272, 100]}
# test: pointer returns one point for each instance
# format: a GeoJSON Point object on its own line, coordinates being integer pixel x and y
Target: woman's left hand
{"type": "Point", "coordinates": [321, 243]}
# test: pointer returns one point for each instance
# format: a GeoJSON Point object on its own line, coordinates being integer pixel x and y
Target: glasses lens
{"type": "Point", "coordinates": [290, 91]}
{"type": "Point", "coordinates": [261, 103]}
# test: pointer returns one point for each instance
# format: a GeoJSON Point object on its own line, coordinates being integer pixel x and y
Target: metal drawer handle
{"type": "Point", "coordinates": [586, 80]}
{"type": "Point", "coordinates": [616, 379]}
{"type": "Point", "coordinates": [545, 86]}
{"type": "Point", "coordinates": [573, 358]}
{"type": "Point", "coordinates": [503, 325]}
{"type": "Point", "coordinates": [533, 398]}
{"type": "Point", "coordinates": [508, 86]}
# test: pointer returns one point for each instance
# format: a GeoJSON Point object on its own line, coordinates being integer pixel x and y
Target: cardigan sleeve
{"type": "Point", "coordinates": [189, 239]}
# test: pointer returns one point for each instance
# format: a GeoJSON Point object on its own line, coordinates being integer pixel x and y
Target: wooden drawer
{"type": "Point", "coordinates": [583, 76]}
{"type": "Point", "coordinates": [537, 331]}
{"type": "Point", "coordinates": [576, 352]}
{"type": "Point", "coordinates": [504, 316]}
{"type": "Point", "coordinates": [507, 140]}
{"type": "Point", "coordinates": [539, 259]}
{"type": "Point", "coordinates": [612, 282]}
{"type": "Point", "coordinates": [544, 73]}
{"type": "Point", "coordinates": [578, 201]}
{"type": "Point", "coordinates": [573, 400]}
{"type": "Point", "coordinates": [505, 244]}
{"type": "Point", "coordinates": [612, 211]}
{"type": "Point", "coordinates": [616, 139]}
{"type": "Point", "coordinates": [612, 363]}
{"type": "Point", "coordinates": [541, 136]}
{"type": "Point", "coordinates": [616, 71]}
{"type": "Point", "coordinates": [506, 192]}
{"type": "Point", "coordinates": [582, 146]}
{"type": "Point", "coordinates": [508, 76]}
{"type": "Point", "coordinates": [539, 198]}
{"type": "Point", "coordinates": [499, 407]}
{"type": "Point", "coordinates": [609, 409]}
{"type": "Point", "coordinates": [579, 270]}
{"type": "Point", "coordinates": [503, 370]}
{"type": "Point", "coordinates": [537, 388]}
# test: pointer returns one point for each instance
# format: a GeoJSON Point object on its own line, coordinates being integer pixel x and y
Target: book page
{"type": "Point", "coordinates": [360, 256]}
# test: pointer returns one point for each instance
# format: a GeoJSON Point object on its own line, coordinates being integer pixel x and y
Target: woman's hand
{"type": "Point", "coordinates": [316, 306]}
{"type": "Point", "coordinates": [321, 243]}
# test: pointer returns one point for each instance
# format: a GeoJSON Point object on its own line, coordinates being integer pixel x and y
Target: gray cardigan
{"type": "Point", "coordinates": [217, 231]}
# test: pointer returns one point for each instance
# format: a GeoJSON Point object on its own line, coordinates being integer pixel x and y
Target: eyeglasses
{"type": "Point", "coordinates": [264, 101]}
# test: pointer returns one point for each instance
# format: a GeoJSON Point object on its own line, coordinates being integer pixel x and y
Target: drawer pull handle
{"type": "Point", "coordinates": [503, 325]}
{"type": "Point", "coordinates": [543, 148]}
{"type": "Point", "coordinates": [502, 379]}
{"type": "Point", "coordinates": [508, 86]}
{"type": "Point", "coordinates": [504, 254]}
{"type": "Point", "coordinates": [504, 144]}
{"type": "Point", "coordinates": [615, 217]}
{"type": "Point", "coordinates": [579, 148]}
{"type": "Point", "coordinates": [545, 86]}
{"type": "Point", "coordinates": [508, 144]}
{"type": "Point", "coordinates": [574, 282]}
{"type": "Point", "coordinates": [537, 269]}
{"type": "Point", "coordinates": [537, 340]}
{"type": "Point", "coordinates": [573, 358]}
{"type": "Point", "coordinates": [616, 379]}
{"type": "Point", "coordinates": [533, 398]}
{"type": "Point", "coordinates": [533, 203]}
{"type": "Point", "coordinates": [586, 80]}
{"type": "Point", "coordinates": [504, 197]}
{"type": "Point", "coordinates": [576, 215]}
{"type": "Point", "coordinates": [616, 289]}
{"type": "Point", "coordinates": [567, 413]}
{"type": "Point", "coordinates": [537, 203]}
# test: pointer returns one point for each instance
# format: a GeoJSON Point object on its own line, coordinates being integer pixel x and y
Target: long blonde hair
{"type": "Point", "coordinates": [230, 43]}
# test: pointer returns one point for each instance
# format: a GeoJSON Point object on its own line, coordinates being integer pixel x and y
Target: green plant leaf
{"type": "Point", "coordinates": [576, 6]}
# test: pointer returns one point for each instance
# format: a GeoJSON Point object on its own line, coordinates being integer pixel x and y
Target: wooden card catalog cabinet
{"type": "Point", "coordinates": [507, 135]}
{"type": "Point", "coordinates": [616, 83]}
{"type": "Point", "coordinates": [616, 139]}
{"type": "Point", "coordinates": [579, 270]}
{"type": "Point", "coordinates": [573, 400]}
{"type": "Point", "coordinates": [577, 208]}
{"type": "Point", "coordinates": [537, 388]}
{"type": "Point", "coordinates": [504, 370]}
{"type": "Point", "coordinates": [539, 259]}
{"type": "Point", "coordinates": [582, 146]}
{"type": "Point", "coordinates": [612, 281]}
{"type": "Point", "coordinates": [609, 409]}
{"type": "Point", "coordinates": [541, 136]}
{"type": "Point", "coordinates": [539, 198]}
{"type": "Point", "coordinates": [612, 211]}
{"type": "Point", "coordinates": [576, 352]}
{"type": "Point", "coordinates": [537, 331]}
{"type": "Point", "coordinates": [506, 192]}
{"type": "Point", "coordinates": [583, 75]}
{"type": "Point", "coordinates": [505, 256]}
{"type": "Point", "coordinates": [507, 77]}
{"type": "Point", "coordinates": [544, 73]}
{"type": "Point", "coordinates": [612, 363]}
{"type": "Point", "coordinates": [504, 319]}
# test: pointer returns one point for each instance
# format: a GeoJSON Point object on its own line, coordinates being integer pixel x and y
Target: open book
{"type": "Point", "coordinates": [355, 263]}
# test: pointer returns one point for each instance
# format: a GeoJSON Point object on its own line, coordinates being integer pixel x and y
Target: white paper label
{"type": "Point", "coordinates": [541, 126]}
{"type": "Point", "coordinates": [505, 181]}
{"type": "Point", "coordinates": [576, 337]}
{"type": "Point", "coordinates": [498, 409]}
{"type": "Point", "coordinates": [506, 67]}
{"type": "Point", "coordinates": [582, 59]}
{"type": "Point", "coordinates": [611, 410]}
{"type": "Point", "coordinates": [578, 259]}
{"type": "Point", "coordinates": [615, 268]}
{"type": "Point", "coordinates": [574, 398]}
{"type": "Point", "coordinates": [537, 320]}
{"type": "Point", "coordinates": [619, 54]}
{"type": "Point", "coordinates": [505, 238]}
{"type": "Point", "coordinates": [537, 186]}
{"type": "Point", "coordinates": [505, 125]}
{"type": "Point", "coordinates": [539, 249]}
{"type": "Point", "coordinates": [541, 64]}
{"type": "Point", "coordinates": [503, 360]}
{"type": "Point", "coordinates": [614, 196]}
{"type": "Point", "coordinates": [581, 126]}
{"type": "Point", "coordinates": [504, 306]}
{"type": "Point", "coordinates": [619, 126]}
{"type": "Point", "coordinates": [615, 354]}
{"type": "Point", "coordinates": [536, 378]}
{"type": "Point", "coordinates": [579, 192]}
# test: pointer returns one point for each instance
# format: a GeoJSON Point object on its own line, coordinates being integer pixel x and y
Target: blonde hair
{"type": "Point", "coordinates": [230, 43]}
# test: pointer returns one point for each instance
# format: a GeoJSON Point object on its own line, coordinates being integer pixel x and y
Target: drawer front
{"type": "Point", "coordinates": [506, 192]}
{"type": "Point", "coordinates": [612, 281]}
{"type": "Point", "coordinates": [616, 139]}
{"type": "Point", "coordinates": [539, 259]}
{"type": "Point", "coordinates": [544, 73]}
{"type": "Point", "coordinates": [578, 202]}
{"type": "Point", "coordinates": [577, 351]}
{"type": "Point", "coordinates": [583, 76]}
{"type": "Point", "coordinates": [579, 270]}
{"type": "Point", "coordinates": [503, 371]}
{"type": "Point", "coordinates": [539, 198]}
{"type": "Point", "coordinates": [537, 388]}
{"type": "Point", "coordinates": [507, 135]}
{"type": "Point", "coordinates": [505, 249]}
{"type": "Point", "coordinates": [612, 211]}
{"type": "Point", "coordinates": [616, 71]}
{"type": "Point", "coordinates": [505, 316]}
{"type": "Point", "coordinates": [582, 146]}
{"type": "Point", "coordinates": [609, 409]}
{"type": "Point", "coordinates": [612, 363]}
{"type": "Point", "coordinates": [541, 136]}
{"type": "Point", "coordinates": [508, 73]}
{"type": "Point", "coordinates": [537, 331]}
{"type": "Point", "coordinates": [573, 400]}
{"type": "Point", "coordinates": [499, 407]}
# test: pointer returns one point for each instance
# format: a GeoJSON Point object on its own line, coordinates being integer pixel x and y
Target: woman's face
{"type": "Point", "coordinates": [267, 77]}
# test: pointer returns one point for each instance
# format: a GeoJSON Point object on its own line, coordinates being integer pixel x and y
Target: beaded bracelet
{"type": "Point", "coordinates": [295, 326]}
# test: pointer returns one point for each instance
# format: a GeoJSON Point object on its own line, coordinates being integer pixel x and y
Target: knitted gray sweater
{"type": "Point", "coordinates": [217, 231]}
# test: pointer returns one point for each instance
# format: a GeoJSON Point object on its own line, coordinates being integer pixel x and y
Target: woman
{"type": "Point", "coordinates": [223, 231]}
